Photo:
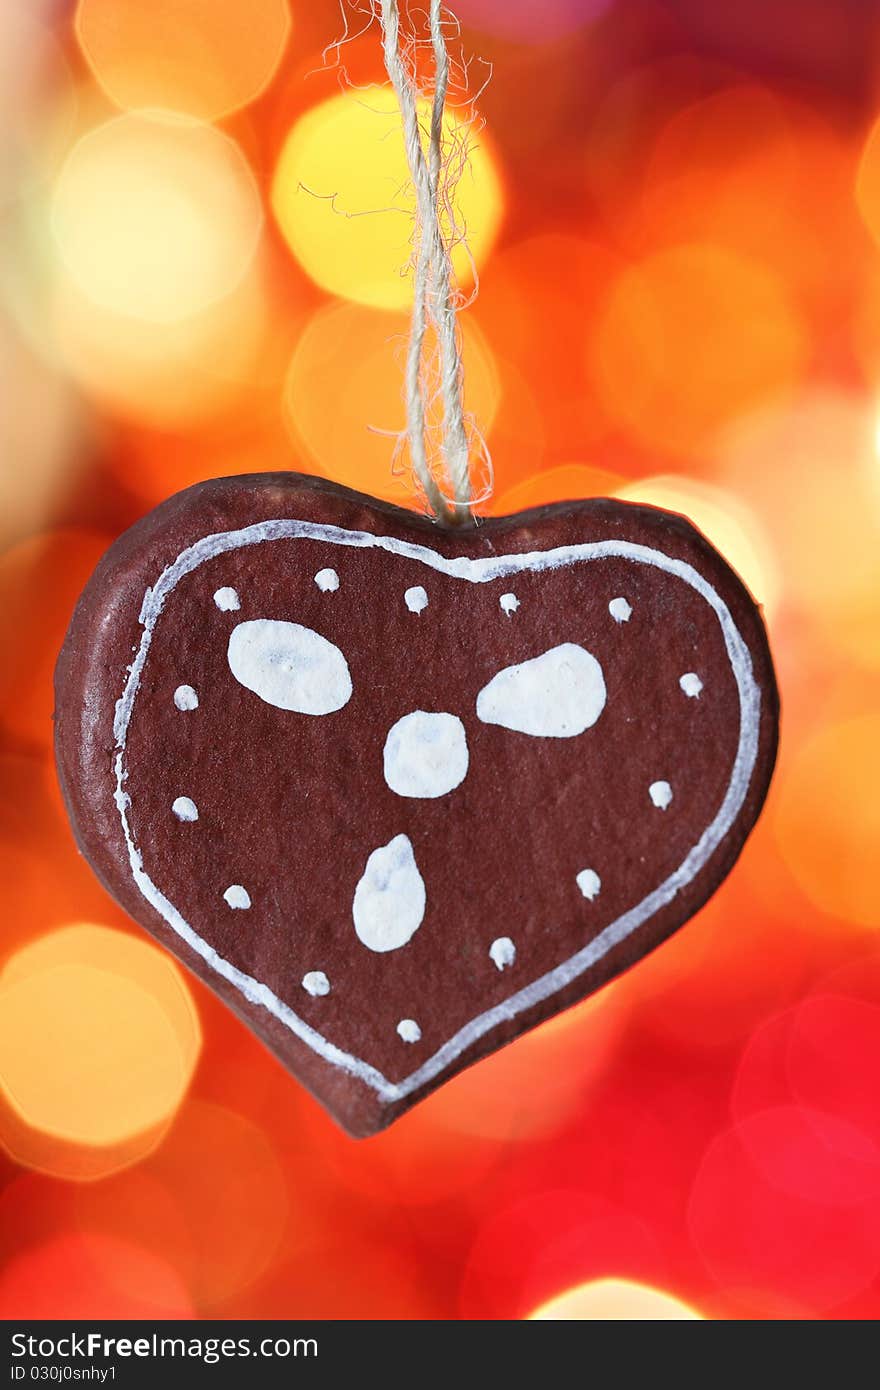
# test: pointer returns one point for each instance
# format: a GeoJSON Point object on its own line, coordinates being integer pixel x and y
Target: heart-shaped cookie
{"type": "Point", "coordinates": [399, 792]}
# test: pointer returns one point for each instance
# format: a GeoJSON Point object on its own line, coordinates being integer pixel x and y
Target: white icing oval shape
{"type": "Point", "coordinates": [425, 755]}
{"type": "Point", "coordinates": [389, 901]}
{"type": "Point", "coordinates": [556, 695]}
{"type": "Point", "coordinates": [289, 666]}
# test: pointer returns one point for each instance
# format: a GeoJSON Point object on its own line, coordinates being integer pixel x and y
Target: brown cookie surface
{"type": "Point", "coordinates": [397, 793]}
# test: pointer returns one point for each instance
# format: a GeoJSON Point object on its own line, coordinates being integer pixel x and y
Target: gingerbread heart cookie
{"type": "Point", "coordinates": [399, 792]}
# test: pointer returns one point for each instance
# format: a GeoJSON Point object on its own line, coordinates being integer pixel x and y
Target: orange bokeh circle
{"type": "Point", "coordinates": [689, 338]}
{"type": "Point", "coordinates": [204, 57]}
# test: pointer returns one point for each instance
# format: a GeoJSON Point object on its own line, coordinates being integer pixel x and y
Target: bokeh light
{"type": "Point", "coordinates": [689, 338]}
{"type": "Point", "coordinates": [165, 375]}
{"type": "Point", "coordinates": [519, 21]}
{"type": "Point", "coordinates": [547, 1241]}
{"type": "Point", "coordinates": [563, 484]}
{"type": "Point", "coordinates": [723, 519]}
{"type": "Point", "coordinates": [868, 182]}
{"type": "Point", "coordinates": [529, 1088]}
{"type": "Point", "coordinates": [205, 270]}
{"type": "Point", "coordinates": [37, 99]}
{"type": "Point", "coordinates": [44, 431]}
{"type": "Point", "coordinates": [156, 216]}
{"type": "Point", "coordinates": [215, 1160]}
{"type": "Point", "coordinates": [752, 1233]}
{"type": "Point", "coordinates": [40, 581]}
{"type": "Point", "coordinates": [350, 434]}
{"type": "Point", "coordinates": [64, 996]}
{"type": "Point", "coordinates": [750, 169]}
{"type": "Point", "coordinates": [341, 195]}
{"type": "Point", "coordinates": [808, 472]}
{"type": "Point", "coordinates": [203, 57]}
{"type": "Point", "coordinates": [524, 299]}
{"type": "Point", "coordinates": [72, 1276]}
{"type": "Point", "coordinates": [615, 1300]}
{"type": "Point", "coordinates": [828, 819]}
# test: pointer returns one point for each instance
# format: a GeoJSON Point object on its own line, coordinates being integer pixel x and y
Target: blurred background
{"type": "Point", "coordinates": [674, 209]}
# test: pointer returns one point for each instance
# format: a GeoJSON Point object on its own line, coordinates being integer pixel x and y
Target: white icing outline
{"type": "Point", "coordinates": [478, 571]}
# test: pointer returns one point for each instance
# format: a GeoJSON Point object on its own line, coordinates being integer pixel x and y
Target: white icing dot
{"type": "Point", "coordinates": [186, 698]}
{"type": "Point", "coordinates": [509, 603]}
{"type": "Point", "coordinates": [327, 581]}
{"type": "Point", "coordinates": [620, 610]}
{"type": "Point", "coordinates": [556, 695]}
{"type": "Point", "coordinates": [289, 666]}
{"type": "Point", "coordinates": [661, 794]}
{"type": "Point", "coordinates": [426, 755]}
{"type": "Point", "coordinates": [316, 983]}
{"type": "Point", "coordinates": [416, 599]}
{"type": "Point", "coordinates": [227, 600]}
{"type": "Point", "coordinates": [503, 952]}
{"type": "Point", "coordinates": [389, 901]}
{"type": "Point", "coordinates": [236, 896]}
{"type": "Point", "coordinates": [691, 684]}
{"type": "Point", "coordinates": [409, 1030]}
{"type": "Point", "coordinates": [589, 883]}
{"type": "Point", "coordinates": [184, 809]}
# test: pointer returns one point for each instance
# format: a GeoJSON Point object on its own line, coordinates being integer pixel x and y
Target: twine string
{"type": "Point", "coordinates": [433, 288]}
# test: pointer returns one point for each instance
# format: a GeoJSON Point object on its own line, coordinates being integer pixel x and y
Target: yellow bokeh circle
{"type": "Point", "coordinates": [156, 216]}
{"type": "Point", "coordinates": [343, 200]}
{"type": "Point", "coordinates": [615, 1300]}
{"type": "Point", "coordinates": [98, 1035]}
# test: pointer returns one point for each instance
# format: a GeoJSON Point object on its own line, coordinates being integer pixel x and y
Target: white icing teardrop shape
{"type": "Point", "coordinates": [389, 901]}
{"type": "Point", "coordinates": [425, 755]}
{"type": "Point", "coordinates": [556, 695]}
{"type": "Point", "coordinates": [289, 666]}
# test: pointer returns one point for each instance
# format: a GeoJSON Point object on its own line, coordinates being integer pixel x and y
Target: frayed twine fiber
{"type": "Point", "coordinates": [434, 298]}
